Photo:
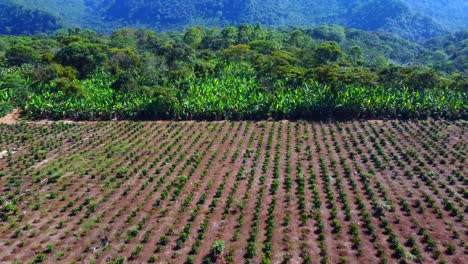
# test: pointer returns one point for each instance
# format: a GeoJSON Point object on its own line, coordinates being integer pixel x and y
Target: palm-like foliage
{"type": "Point", "coordinates": [236, 94]}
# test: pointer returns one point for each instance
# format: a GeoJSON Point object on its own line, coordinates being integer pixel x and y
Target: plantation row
{"type": "Point", "coordinates": [236, 94]}
{"type": "Point", "coordinates": [236, 192]}
{"type": "Point", "coordinates": [234, 98]}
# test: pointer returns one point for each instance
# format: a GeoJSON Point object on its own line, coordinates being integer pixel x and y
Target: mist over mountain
{"type": "Point", "coordinates": [414, 20]}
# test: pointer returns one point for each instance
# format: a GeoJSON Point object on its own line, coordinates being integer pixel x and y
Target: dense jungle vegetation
{"type": "Point", "coordinates": [243, 72]}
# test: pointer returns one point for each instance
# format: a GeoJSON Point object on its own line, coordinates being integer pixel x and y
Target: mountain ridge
{"type": "Point", "coordinates": [413, 20]}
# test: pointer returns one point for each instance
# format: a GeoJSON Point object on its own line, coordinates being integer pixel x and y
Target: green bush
{"type": "Point", "coordinates": [217, 249]}
{"type": "Point", "coordinates": [5, 108]}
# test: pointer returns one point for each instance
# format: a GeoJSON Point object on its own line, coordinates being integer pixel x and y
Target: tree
{"type": "Point", "coordinates": [328, 53]}
{"type": "Point", "coordinates": [259, 32]}
{"type": "Point", "coordinates": [124, 38]}
{"type": "Point", "coordinates": [459, 81]}
{"type": "Point", "coordinates": [20, 54]}
{"type": "Point", "coordinates": [66, 40]}
{"type": "Point", "coordinates": [68, 86]}
{"type": "Point", "coordinates": [229, 34]}
{"type": "Point", "coordinates": [179, 53]}
{"type": "Point", "coordinates": [164, 103]}
{"type": "Point", "coordinates": [83, 56]}
{"type": "Point", "coordinates": [47, 73]}
{"type": "Point", "coordinates": [123, 60]}
{"type": "Point", "coordinates": [357, 76]}
{"type": "Point", "coordinates": [263, 46]}
{"type": "Point", "coordinates": [356, 55]}
{"type": "Point", "coordinates": [126, 82]}
{"type": "Point", "coordinates": [237, 52]}
{"type": "Point", "coordinates": [392, 76]}
{"type": "Point", "coordinates": [246, 34]}
{"type": "Point", "coordinates": [147, 40]}
{"type": "Point", "coordinates": [193, 37]}
{"type": "Point", "coordinates": [298, 39]}
{"type": "Point", "coordinates": [327, 74]}
{"type": "Point", "coordinates": [292, 75]}
{"type": "Point", "coordinates": [329, 32]}
{"type": "Point", "coordinates": [426, 78]}
{"type": "Point", "coordinates": [379, 62]}
{"type": "Point", "coordinates": [204, 68]}
{"type": "Point", "coordinates": [295, 37]}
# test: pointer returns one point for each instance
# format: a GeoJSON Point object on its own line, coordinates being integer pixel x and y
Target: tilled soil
{"type": "Point", "coordinates": [279, 192]}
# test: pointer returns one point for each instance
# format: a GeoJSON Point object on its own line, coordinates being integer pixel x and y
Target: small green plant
{"type": "Point", "coordinates": [49, 248]}
{"type": "Point", "coordinates": [153, 259]}
{"type": "Point", "coordinates": [451, 248]}
{"type": "Point", "coordinates": [41, 257]}
{"type": "Point", "coordinates": [59, 255]}
{"type": "Point", "coordinates": [217, 249]}
{"type": "Point", "coordinates": [119, 260]}
{"type": "Point", "coordinates": [343, 260]}
{"type": "Point", "coordinates": [136, 252]}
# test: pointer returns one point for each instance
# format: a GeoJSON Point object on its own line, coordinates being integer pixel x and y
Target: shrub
{"type": "Point", "coordinates": [451, 248]}
{"type": "Point", "coordinates": [343, 260]}
{"type": "Point", "coordinates": [336, 226]}
{"type": "Point", "coordinates": [39, 258]}
{"type": "Point", "coordinates": [153, 259]}
{"type": "Point", "coordinates": [49, 248]}
{"type": "Point", "coordinates": [218, 248]}
{"type": "Point", "coordinates": [136, 251]}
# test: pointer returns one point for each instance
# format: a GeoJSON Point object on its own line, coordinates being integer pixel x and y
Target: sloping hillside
{"type": "Point", "coordinates": [17, 19]}
{"type": "Point", "coordinates": [413, 20]}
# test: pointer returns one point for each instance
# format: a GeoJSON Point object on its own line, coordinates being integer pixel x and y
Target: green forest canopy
{"type": "Point", "coordinates": [411, 19]}
{"type": "Point", "coordinates": [247, 71]}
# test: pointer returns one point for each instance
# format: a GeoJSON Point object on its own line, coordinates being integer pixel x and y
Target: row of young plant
{"type": "Point", "coordinates": [244, 201]}
{"type": "Point", "coordinates": [370, 182]}
{"type": "Point", "coordinates": [379, 158]}
{"type": "Point", "coordinates": [432, 247]}
{"type": "Point", "coordinates": [63, 188]}
{"type": "Point", "coordinates": [435, 202]}
{"type": "Point", "coordinates": [434, 181]}
{"type": "Point", "coordinates": [115, 179]}
{"type": "Point", "coordinates": [218, 246]}
{"type": "Point", "coordinates": [168, 158]}
{"type": "Point", "coordinates": [190, 164]}
{"type": "Point", "coordinates": [166, 239]}
{"type": "Point", "coordinates": [216, 198]}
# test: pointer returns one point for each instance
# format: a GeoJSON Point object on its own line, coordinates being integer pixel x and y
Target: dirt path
{"type": "Point", "coordinates": [11, 118]}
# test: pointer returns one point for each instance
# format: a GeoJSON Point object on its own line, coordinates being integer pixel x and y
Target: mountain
{"type": "Point", "coordinates": [448, 53]}
{"type": "Point", "coordinates": [17, 19]}
{"type": "Point", "coordinates": [376, 15]}
{"type": "Point", "coordinates": [453, 14]}
{"type": "Point", "coordinates": [395, 17]}
{"type": "Point", "coordinates": [414, 20]}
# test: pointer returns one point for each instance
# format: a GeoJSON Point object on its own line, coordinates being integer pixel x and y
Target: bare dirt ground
{"type": "Point", "coordinates": [286, 192]}
{"type": "Point", "coordinates": [12, 117]}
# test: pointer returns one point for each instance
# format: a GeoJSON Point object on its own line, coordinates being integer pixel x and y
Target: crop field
{"type": "Point", "coordinates": [234, 192]}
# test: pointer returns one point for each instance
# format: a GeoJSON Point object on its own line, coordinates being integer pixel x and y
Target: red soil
{"type": "Point", "coordinates": [149, 187]}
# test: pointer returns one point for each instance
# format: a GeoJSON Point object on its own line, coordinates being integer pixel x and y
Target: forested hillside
{"type": "Point", "coordinates": [17, 20]}
{"type": "Point", "coordinates": [244, 72]}
{"type": "Point", "coordinates": [449, 52]}
{"type": "Point", "coordinates": [413, 20]}
{"type": "Point", "coordinates": [453, 14]}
